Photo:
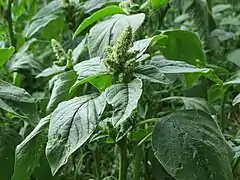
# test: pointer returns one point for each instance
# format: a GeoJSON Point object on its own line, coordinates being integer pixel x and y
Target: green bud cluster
{"type": "Point", "coordinates": [119, 60]}
{"type": "Point", "coordinates": [63, 58]}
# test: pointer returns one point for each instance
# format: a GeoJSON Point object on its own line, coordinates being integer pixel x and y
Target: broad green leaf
{"type": "Point", "coordinates": [96, 4]}
{"type": "Point", "coordinates": [107, 11]}
{"type": "Point", "coordinates": [51, 71]}
{"type": "Point", "coordinates": [5, 54]}
{"type": "Point", "coordinates": [37, 24]}
{"type": "Point", "coordinates": [17, 101]}
{"type": "Point", "coordinates": [235, 79]}
{"type": "Point", "coordinates": [141, 46]}
{"type": "Point", "coordinates": [193, 103]}
{"type": "Point", "coordinates": [236, 100]}
{"type": "Point", "coordinates": [174, 67]}
{"type": "Point", "coordinates": [215, 92]}
{"type": "Point", "coordinates": [230, 20]}
{"type": "Point", "coordinates": [150, 73]}
{"type": "Point", "coordinates": [25, 64]}
{"type": "Point", "coordinates": [89, 70]}
{"type": "Point", "coordinates": [184, 46]}
{"type": "Point", "coordinates": [28, 153]}
{"type": "Point", "coordinates": [102, 82]}
{"type": "Point", "coordinates": [59, 87]}
{"type": "Point", "coordinates": [72, 123]}
{"type": "Point", "coordinates": [49, 9]}
{"type": "Point", "coordinates": [234, 57]}
{"type": "Point", "coordinates": [124, 99]}
{"type": "Point", "coordinates": [221, 7]}
{"type": "Point", "coordinates": [106, 32]}
{"type": "Point", "coordinates": [156, 4]}
{"type": "Point", "coordinates": [190, 145]}
{"type": "Point", "coordinates": [79, 50]}
{"type": "Point", "coordinates": [9, 139]}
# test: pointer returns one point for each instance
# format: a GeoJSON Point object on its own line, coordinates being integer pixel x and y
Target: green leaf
{"type": "Point", "coordinates": [199, 12]}
{"type": "Point", "coordinates": [96, 4]}
{"type": "Point", "coordinates": [72, 123]}
{"type": "Point", "coordinates": [37, 24]}
{"type": "Point", "coordinates": [150, 73]}
{"type": "Point", "coordinates": [156, 4]}
{"type": "Point", "coordinates": [102, 82]}
{"type": "Point", "coordinates": [89, 70]}
{"type": "Point", "coordinates": [193, 103]}
{"type": "Point", "coordinates": [60, 86]}
{"type": "Point", "coordinates": [28, 153]}
{"type": "Point", "coordinates": [9, 139]}
{"type": "Point", "coordinates": [234, 57]}
{"type": "Point", "coordinates": [49, 9]}
{"type": "Point", "coordinates": [106, 32]}
{"type": "Point", "coordinates": [215, 92]}
{"type": "Point", "coordinates": [235, 79]}
{"type": "Point", "coordinates": [79, 50]}
{"type": "Point", "coordinates": [184, 46]}
{"type": "Point", "coordinates": [107, 11]}
{"type": "Point", "coordinates": [190, 145]}
{"type": "Point", "coordinates": [236, 100]}
{"type": "Point", "coordinates": [51, 71]}
{"type": "Point", "coordinates": [174, 67]}
{"type": "Point", "coordinates": [6, 53]}
{"type": "Point", "coordinates": [141, 46]}
{"type": "Point", "coordinates": [124, 99]}
{"type": "Point", "coordinates": [17, 101]}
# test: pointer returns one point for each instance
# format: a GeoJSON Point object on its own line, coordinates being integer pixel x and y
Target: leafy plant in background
{"type": "Point", "coordinates": [119, 90]}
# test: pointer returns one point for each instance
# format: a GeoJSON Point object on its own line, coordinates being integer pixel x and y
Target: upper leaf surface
{"type": "Point", "coordinates": [124, 99]}
{"type": "Point", "coordinates": [72, 123]}
{"type": "Point", "coordinates": [190, 145]}
{"type": "Point", "coordinates": [106, 32]}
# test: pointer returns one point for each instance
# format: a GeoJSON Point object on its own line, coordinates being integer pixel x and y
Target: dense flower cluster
{"type": "Point", "coordinates": [119, 60]}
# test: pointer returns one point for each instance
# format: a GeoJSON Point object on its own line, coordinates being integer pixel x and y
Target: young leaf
{"type": "Point", "coordinates": [234, 57]}
{"type": "Point", "coordinates": [190, 145]}
{"type": "Point", "coordinates": [107, 11]}
{"type": "Point", "coordinates": [141, 46]}
{"type": "Point", "coordinates": [184, 46]}
{"type": "Point", "coordinates": [6, 53]}
{"type": "Point", "coordinates": [37, 24]}
{"type": "Point", "coordinates": [89, 70]}
{"type": "Point", "coordinates": [72, 123]}
{"type": "Point", "coordinates": [236, 100]}
{"type": "Point", "coordinates": [106, 32]}
{"type": "Point", "coordinates": [9, 139]}
{"type": "Point", "coordinates": [51, 71]}
{"type": "Point", "coordinates": [124, 99]}
{"type": "Point", "coordinates": [17, 101]}
{"type": "Point", "coordinates": [96, 4]}
{"type": "Point", "coordinates": [193, 103]}
{"type": "Point", "coordinates": [28, 153]}
{"type": "Point", "coordinates": [215, 92]}
{"type": "Point", "coordinates": [235, 79]}
{"type": "Point", "coordinates": [150, 73]}
{"type": "Point", "coordinates": [60, 86]}
{"type": "Point", "coordinates": [78, 50]}
{"type": "Point", "coordinates": [156, 4]}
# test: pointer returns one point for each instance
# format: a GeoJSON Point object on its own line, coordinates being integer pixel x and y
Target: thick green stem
{"type": "Point", "coordinates": [97, 164]}
{"type": "Point", "coordinates": [221, 116]}
{"type": "Point", "coordinates": [137, 163]}
{"type": "Point", "coordinates": [209, 4]}
{"type": "Point", "coordinates": [123, 159]}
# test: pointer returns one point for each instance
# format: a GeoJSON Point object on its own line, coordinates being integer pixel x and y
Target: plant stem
{"type": "Point", "coordinates": [8, 18]}
{"type": "Point", "coordinates": [221, 116]}
{"type": "Point", "coordinates": [146, 165]}
{"type": "Point", "coordinates": [97, 164]}
{"type": "Point", "coordinates": [209, 5]}
{"type": "Point", "coordinates": [235, 164]}
{"type": "Point", "coordinates": [123, 159]}
{"type": "Point", "coordinates": [137, 163]}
